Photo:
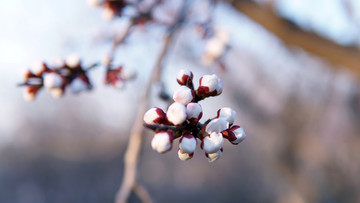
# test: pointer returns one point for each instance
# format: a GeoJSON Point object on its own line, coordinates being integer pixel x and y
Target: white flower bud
{"type": "Point", "coordinates": [194, 112]}
{"type": "Point", "coordinates": [187, 143]}
{"type": "Point", "coordinates": [78, 85]}
{"type": "Point", "coordinates": [210, 85]}
{"type": "Point", "coordinates": [239, 134]}
{"type": "Point", "coordinates": [176, 113]}
{"type": "Point", "coordinates": [162, 142]}
{"type": "Point", "coordinates": [183, 95]}
{"type": "Point", "coordinates": [217, 125]}
{"type": "Point", "coordinates": [108, 14]}
{"type": "Point", "coordinates": [213, 156]}
{"type": "Point", "coordinates": [56, 92]}
{"type": "Point", "coordinates": [227, 114]}
{"type": "Point", "coordinates": [29, 95]}
{"type": "Point", "coordinates": [58, 63]}
{"type": "Point", "coordinates": [73, 61]}
{"type": "Point", "coordinates": [213, 142]}
{"type": "Point", "coordinates": [53, 80]}
{"type": "Point", "coordinates": [184, 76]}
{"type": "Point", "coordinates": [184, 156]}
{"type": "Point", "coordinates": [38, 67]}
{"type": "Point", "coordinates": [154, 116]}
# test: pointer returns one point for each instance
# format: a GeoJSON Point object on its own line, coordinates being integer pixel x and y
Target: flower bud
{"type": "Point", "coordinates": [184, 76]}
{"type": "Point", "coordinates": [38, 68]}
{"type": "Point", "coordinates": [227, 114]}
{"type": "Point", "coordinates": [213, 142]}
{"type": "Point", "coordinates": [184, 156]}
{"type": "Point", "coordinates": [154, 116]}
{"type": "Point", "coordinates": [108, 13]}
{"type": "Point", "coordinates": [95, 2]}
{"type": "Point", "coordinates": [57, 92]}
{"type": "Point", "coordinates": [239, 134]}
{"type": "Point", "coordinates": [162, 141]}
{"type": "Point", "coordinates": [176, 113]}
{"type": "Point", "coordinates": [213, 156]}
{"type": "Point", "coordinates": [73, 61]}
{"type": "Point", "coordinates": [78, 85]}
{"type": "Point", "coordinates": [183, 95]}
{"type": "Point", "coordinates": [53, 80]}
{"type": "Point", "coordinates": [216, 125]}
{"type": "Point", "coordinates": [187, 143]}
{"type": "Point", "coordinates": [214, 47]}
{"type": "Point", "coordinates": [194, 112]}
{"type": "Point", "coordinates": [210, 85]}
{"type": "Point", "coordinates": [30, 92]}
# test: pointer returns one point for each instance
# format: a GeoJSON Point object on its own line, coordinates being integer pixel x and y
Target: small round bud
{"type": "Point", "coordinates": [210, 85]}
{"type": "Point", "coordinates": [239, 134]}
{"type": "Point", "coordinates": [213, 142]}
{"type": "Point", "coordinates": [187, 143]}
{"type": "Point", "coordinates": [154, 116]}
{"type": "Point", "coordinates": [216, 125]}
{"type": "Point", "coordinates": [78, 85]}
{"type": "Point", "coordinates": [184, 156]}
{"type": "Point", "coordinates": [227, 114]}
{"type": "Point", "coordinates": [38, 67]}
{"type": "Point", "coordinates": [53, 80]}
{"type": "Point", "coordinates": [29, 93]}
{"type": "Point", "coordinates": [176, 113]}
{"type": "Point", "coordinates": [214, 47]}
{"type": "Point", "coordinates": [162, 141]}
{"type": "Point", "coordinates": [184, 76]}
{"type": "Point", "coordinates": [108, 14]}
{"type": "Point", "coordinates": [73, 61]}
{"type": "Point", "coordinates": [183, 95]}
{"type": "Point", "coordinates": [106, 59]}
{"type": "Point", "coordinates": [213, 156]}
{"type": "Point", "coordinates": [58, 63]}
{"type": "Point", "coordinates": [194, 112]}
{"type": "Point", "coordinates": [57, 92]}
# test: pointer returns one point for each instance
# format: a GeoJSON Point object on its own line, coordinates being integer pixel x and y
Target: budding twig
{"type": "Point", "coordinates": [135, 141]}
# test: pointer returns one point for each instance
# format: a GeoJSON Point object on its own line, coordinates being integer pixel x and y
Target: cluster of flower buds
{"type": "Point", "coordinates": [217, 40]}
{"type": "Point", "coordinates": [118, 76]}
{"type": "Point", "coordinates": [57, 78]}
{"type": "Point", "coordinates": [181, 120]}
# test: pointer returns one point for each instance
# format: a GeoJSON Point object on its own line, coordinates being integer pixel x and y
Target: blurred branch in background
{"type": "Point", "coordinates": [339, 56]}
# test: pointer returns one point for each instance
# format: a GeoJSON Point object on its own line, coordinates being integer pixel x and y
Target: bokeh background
{"type": "Point", "coordinates": [301, 112]}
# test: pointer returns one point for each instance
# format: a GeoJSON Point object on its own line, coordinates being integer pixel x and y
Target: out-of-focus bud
{"type": "Point", "coordinates": [184, 76]}
{"type": "Point", "coordinates": [128, 73]}
{"type": "Point", "coordinates": [78, 85]}
{"type": "Point", "coordinates": [183, 95]}
{"type": "Point", "coordinates": [214, 47]}
{"type": "Point", "coordinates": [213, 156]}
{"type": "Point", "coordinates": [210, 85]}
{"type": "Point", "coordinates": [176, 113]}
{"type": "Point", "coordinates": [53, 80]}
{"type": "Point", "coordinates": [30, 92]}
{"type": "Point", "coordinates": [227, 114]}
{"type": "Point", "coordinates": [194, 112]}
{"type": "Point", "coordinates": [213, 142]}
{"type": "Point", "coordinates": [38, 68]}
{"type": "Point", "coordinates": [216, 125]}
{"type": "Point", "coordinates": [106, 59]}
{"type": "Point", "coordinates": [58, 63]}
{"type": "Point", "coordinates": [57, 92]}
{"type": "Point", "coordinates": [222, 34]}
{"type": "Point", "coordinates": [187, 143]}
{"type": "Point", "coordinates": [73, 61]}
{"type": "Point", "coordinates": [154, 116]}
{"type": "Point", "coordinates": [162, 141]}
{"type": "Point", "coordinates": [184, 156]}
{"type": "Point", "coordinates": [95, 2]}
{"type": "Point", "coordinates": [108, 13]}
{"type": "Point", "coordinates": [26, 74]}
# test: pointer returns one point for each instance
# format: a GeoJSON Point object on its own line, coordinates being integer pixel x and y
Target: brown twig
{"type": "Point", "coordinates": [133, 150]}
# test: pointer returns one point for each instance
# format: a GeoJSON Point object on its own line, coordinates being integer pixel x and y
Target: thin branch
{"type": "Point", "coordinates": [135, 141]}
{"type": "Point", "coordinates": [142, 193]}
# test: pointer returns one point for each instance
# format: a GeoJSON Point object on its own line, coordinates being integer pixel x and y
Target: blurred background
{"type": "Point", "coordinates": [292, 75]}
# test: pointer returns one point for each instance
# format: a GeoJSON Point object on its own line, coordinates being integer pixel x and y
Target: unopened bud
{"type": "Point", "coordinates": [184, 156]}
{"type": "Point", "coordinates": [154, 116]}
{"type": "Point", "coordinates": [162, 141]}
{"type": "Point", "coordinates": [176, 113]}
{"type": "Point", "coordinates": [183, 95]}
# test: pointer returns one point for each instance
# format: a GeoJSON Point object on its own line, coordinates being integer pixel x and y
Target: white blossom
{"type": "Point", "coordinates": [38, 67]}
{"type": "Point", "coordinates": [78, 85]}
{"type": "Point", "coordinates": [154, 115]}
{"type": "Point", "coordinates": [214, 156]}
{"type": "Point", "coordinates": [183, 95]}
{"type": "Point", "coordinates": [72, 61]}
{"type": "Point", "coordinates": [227, 114]}
{"type": "Point", "coordinates": [53, 80]}
{"type": "Point", "coordinates": [217, 125]}
{"type": "Point", "coordinates": [162, 142]}
{"type": "Point", "coordinates": [193, 111]}
{"type": "Point", "coordinates": [28, 94]}
{"type": "Point", "coordinates": [176, 113]}
{"type": "Point", "coordinates": [213, 142]}
{"type": "Point", "coordinates": [239, 134]}
{"type": "Point", "coordinates": [187, 143]}
{"type": "Point", "coordinates": [184, 156]}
